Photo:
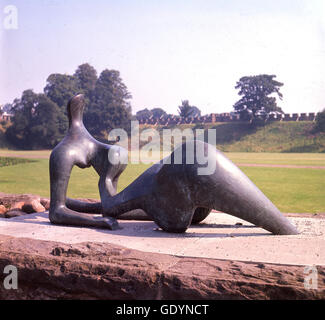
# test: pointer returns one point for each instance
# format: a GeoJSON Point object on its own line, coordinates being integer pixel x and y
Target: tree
{"type": "Point", "coordinates": [45, 129]}
{"type": "Point", "coordinates": [144, 114]}
{"type": "Point", "coordinates": [60, 88]}
{"type": "Point", "coordinates": [35, 122]}
{"type": "Point", "coordinates": [195, 112]}
{"type": "Point", "coordinates": [158, 112]}
{"type": "Point", "coordinates": [86, 77]}
{"type": "Point", "coordinates": [109, 107]}
{"type": "Point", "coordinates": [19, 133]}
{"type": "Point", "coordinates": [256, 94]}
{"type": "Point", "coordinates": [320, 122]}
{"type": "Point", "coordinates": [186, 111]}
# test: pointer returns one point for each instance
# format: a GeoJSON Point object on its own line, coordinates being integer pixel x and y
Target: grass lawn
{"type": "Point", "coordinates": [307, 159]}
{"type": "Point", "coordinates": [300, 159]}
{"type": "Point", "coordinates": [291, 190]}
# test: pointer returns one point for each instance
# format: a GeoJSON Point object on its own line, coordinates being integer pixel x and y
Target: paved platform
{"type": "Point", "coordinates": [219, 236]}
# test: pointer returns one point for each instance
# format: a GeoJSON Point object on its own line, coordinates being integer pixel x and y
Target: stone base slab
{"type": "Point", "coordinates": [88, 270]}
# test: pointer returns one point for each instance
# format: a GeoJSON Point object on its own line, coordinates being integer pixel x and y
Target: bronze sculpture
{"type": "Point", "coordinates": [173, 195]}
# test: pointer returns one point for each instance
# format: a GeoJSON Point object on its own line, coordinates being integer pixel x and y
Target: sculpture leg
{"type": "Point", "coordinates": [82, 206]}
{"type": "Point", "coordinates": [200, 214]}
{"type": "Point", "coordinates": [60, 170]}
{"type": "Point", "coordinates": [231, 191]}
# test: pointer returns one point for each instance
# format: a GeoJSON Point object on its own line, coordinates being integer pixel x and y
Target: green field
{"type": "Point", "coordinates": [303, 159]}
{"type": "Point", "coordinates": [300, 159]}
{"type": "Point", "coordinates": [291, 189]}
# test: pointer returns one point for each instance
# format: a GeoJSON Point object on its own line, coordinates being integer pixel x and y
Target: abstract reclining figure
{"type": "Point", "coordinates": [172, 195]}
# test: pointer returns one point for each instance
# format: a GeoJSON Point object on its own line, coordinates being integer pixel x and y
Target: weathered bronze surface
{"type": "Point", "coordinates": [173, 195]}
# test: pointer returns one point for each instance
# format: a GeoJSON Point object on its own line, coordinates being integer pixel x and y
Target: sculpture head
{"type": "Point", "coordinates": [75, 109]}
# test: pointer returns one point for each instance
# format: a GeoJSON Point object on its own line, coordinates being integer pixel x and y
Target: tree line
{"type": "Point", "coordinates": [185, 110]}
{"type": "Point", "coordinates": [40, 119]}
{"type": "Point", "coordinates": [258, 100]}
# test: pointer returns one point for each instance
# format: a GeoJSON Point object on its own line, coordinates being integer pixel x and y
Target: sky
{"type": "Point", "coordinates": [172, 50]}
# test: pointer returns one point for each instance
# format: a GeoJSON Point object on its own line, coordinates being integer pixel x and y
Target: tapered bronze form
{"type": "Point", "coordinates": [172, 192]}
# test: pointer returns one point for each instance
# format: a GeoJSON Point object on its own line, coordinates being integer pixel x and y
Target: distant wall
{"type": "Point", "coordinates": [223, 117]}
{"type": "Point", "coordinates": [213, 117]}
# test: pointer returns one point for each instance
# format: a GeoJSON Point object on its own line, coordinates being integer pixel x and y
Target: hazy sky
{"type": "Point", "coordinates": [170, 50]}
